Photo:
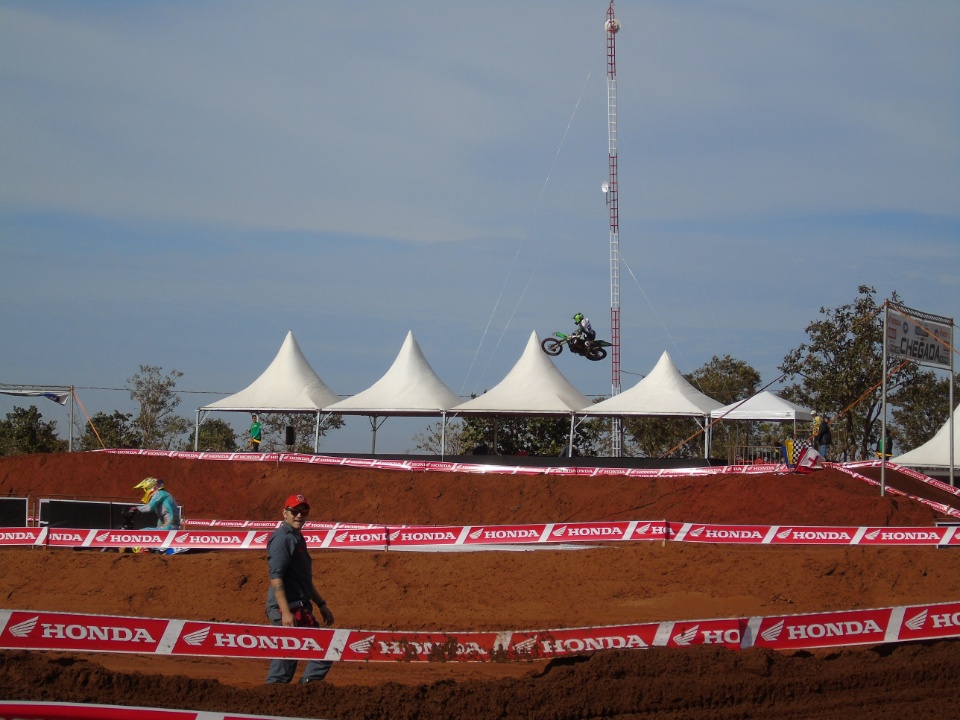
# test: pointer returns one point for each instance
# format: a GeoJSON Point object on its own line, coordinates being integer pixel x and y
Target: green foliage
{"type": "Point", "coordinates": [116, 431]}
{"type": "Point", "coordinates": [274, 427]}
{"type": "Point", "coordinates": [215, 436]}
{"type": "Point", "coordinates": [429, 440]}
{"type": "Point", "coordinates": [532, 435]}
{"type": "Point", "coordinates": [726, 380]}
{"type": "Point", "coordinates": [25, 433]}
{"type": "Point", "coordinates": [159, 426]}
{"type": "Point", "coordinates": [841, 369]}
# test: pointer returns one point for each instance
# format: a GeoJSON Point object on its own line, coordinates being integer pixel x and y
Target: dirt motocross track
{"type": "Point", "coordinates": [496, 590]}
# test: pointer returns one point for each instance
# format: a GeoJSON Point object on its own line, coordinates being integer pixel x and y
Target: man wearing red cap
{"type": "Point", "coordinates": [292, 590]}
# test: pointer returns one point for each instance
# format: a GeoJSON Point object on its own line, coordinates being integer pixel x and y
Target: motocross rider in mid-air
{"type": "Point", "coordinates": [584, 330]}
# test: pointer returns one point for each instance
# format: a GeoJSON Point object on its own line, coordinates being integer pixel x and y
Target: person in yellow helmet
{"type": "Point", "coordinates": [156, 499]}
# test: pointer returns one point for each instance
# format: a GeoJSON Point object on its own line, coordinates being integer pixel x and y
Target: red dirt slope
{"type": "Point", "coordinates": [486, 591]}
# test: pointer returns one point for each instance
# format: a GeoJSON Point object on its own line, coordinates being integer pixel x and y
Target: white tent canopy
{"type": "Point", "coordinates": [664, 391]}
{"type": "Point", "coordinates": [289, 384]}
{"type": "Point", "coordinates": [409, 387]}
{"type": "Point", "coordinates": [534, 386]}
{"type": "Point", "coordinates": [935, 453]}
{"type": "Point", "coordinates": [764, 406]}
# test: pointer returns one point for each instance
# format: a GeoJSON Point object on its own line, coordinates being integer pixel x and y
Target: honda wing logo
{"type": "Point", "coordinates": [476, 533]}
{"type": "Point", "coordinates": [23, 629]}
{"type": "Point", "coordinates": [772, 633]}
{"type": "Point", "coordinates": [526, 646]}
{"type": "Point", "coordinates": [873, 535]}
{"type": "Point", "coordinates": [363, 645]}
{"type": "Point", "coordinates": [918, 621]}
{"type": "Point", "coordinates": [197, 637]}
{"type": "Point", "coordinates": [784, 534]}
{"type": "Point", "coordinates": [685, 638]}
{"type": "Point", "coordinates": [698, 532]}
{"type": "Point", "coordinates": [260, 538]}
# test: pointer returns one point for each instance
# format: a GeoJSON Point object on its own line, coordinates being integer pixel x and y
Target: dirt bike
{"type": "Point", "coordinates": [577, 344]}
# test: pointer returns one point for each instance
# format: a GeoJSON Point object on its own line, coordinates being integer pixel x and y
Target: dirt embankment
{"type": "Point", "coordinates": [488, 591]}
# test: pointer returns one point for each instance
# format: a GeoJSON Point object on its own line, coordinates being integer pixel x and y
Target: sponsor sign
{"type": "Point", "coordinates": [903, 536]}
{"type": "Point", "coordinates": [514, 534]}
{"type": "Point", "coordinates": [252, 641]}
{"type": "Point", "coordinates": [590, 532]}
{"type": "Point", "coordinates": [22, 536]}
{"type": "Point", "coordinates": [820, 630]}
{"type": "Point", "coordinates": [419, 647]}
{"type": "Point", "coordinates": [816, 535]}
{"type": "Point", "coordinates": [744, 534]}
{"type": "Point", "coordinates": [74, 632]}
{"type": "Point", "coordinates": [917, 336]}
{"type": "Point", "coordinates": [923, 622]}
{"type": "Point", "coordinates": [415, 536]}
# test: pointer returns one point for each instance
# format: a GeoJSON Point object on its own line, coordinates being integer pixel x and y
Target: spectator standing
{"type": "Point", "coordinates": [256, 433]}
{"type": "Point", "coordinates": [292, 594]}
{"type": "Point", "coordinates": [824, 437]}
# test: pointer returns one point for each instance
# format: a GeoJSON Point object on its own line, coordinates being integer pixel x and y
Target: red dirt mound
{"type": "Point", "coordinates": [490, 590]}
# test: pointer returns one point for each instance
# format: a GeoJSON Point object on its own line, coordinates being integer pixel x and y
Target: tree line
{"type": "Point", "coordinates": [836, 371]}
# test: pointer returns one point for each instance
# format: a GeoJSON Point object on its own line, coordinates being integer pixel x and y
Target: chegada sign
{"type": "Point", "coordinates": [918, 336]}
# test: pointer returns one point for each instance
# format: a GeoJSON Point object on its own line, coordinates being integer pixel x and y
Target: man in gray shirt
{"type": "Point", "coordinates": [292, 593]}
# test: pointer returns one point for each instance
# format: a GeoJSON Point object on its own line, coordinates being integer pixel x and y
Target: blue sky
{"type": "Point", "coordinates": [181, 183]}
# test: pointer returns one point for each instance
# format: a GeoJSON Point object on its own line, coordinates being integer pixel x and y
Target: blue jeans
{"type": "Point", "coordinates": [282, 671]}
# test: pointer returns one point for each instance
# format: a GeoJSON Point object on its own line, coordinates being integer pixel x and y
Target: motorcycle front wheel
{"type": "Point", "coordinates": [552, 346]}
{"type": "Point", "coordinates": [597, 353]}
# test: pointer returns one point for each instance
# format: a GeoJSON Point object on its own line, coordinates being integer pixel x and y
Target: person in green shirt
{"type": "Point", "coordinates": [256, 434]}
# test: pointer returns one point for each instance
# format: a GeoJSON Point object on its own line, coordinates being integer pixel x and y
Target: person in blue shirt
{"type": "Point", "coordinates": [157, 500]}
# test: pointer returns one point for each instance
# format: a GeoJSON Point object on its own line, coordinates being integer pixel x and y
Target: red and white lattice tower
{"type": "Point", "coordinates": [611, 187]}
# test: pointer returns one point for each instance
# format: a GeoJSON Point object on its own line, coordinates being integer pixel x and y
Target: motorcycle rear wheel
{"type": "Point", "coordinates": [596, 353]}
{"type": "Point", "coordinates": [552, 346]}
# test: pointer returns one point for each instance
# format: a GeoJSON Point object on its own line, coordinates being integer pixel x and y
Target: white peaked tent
{"type": "Point", "coordinates": [410, 387]}
{"type": "Point", "coordinates": [534, 386]}
{"type": "Point", "coordinates": [664, 391]}
{"type": "Point", "coordinates": [935, 453]}
{"type": "Point", "coordinates": [766, 407]}
{"type": "Point", "coordinates": [288, 385]}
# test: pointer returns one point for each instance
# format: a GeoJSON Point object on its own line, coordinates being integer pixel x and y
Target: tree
{"type": "Point", "coordinates": [25, 433]}
{"type": "Point", "coordinates": [215, 436]}
{"type": "Point", "coordinates": [532, 435]}
{"type": "Point", "coordinates": [841, 369]}
{"type": "Point", "coordinates": [304, 426]}
{"type": "Point", "coordinates": [726, 380]}
{"type": "Point", "coordinates": [116, 431]}
{"type": "Point", "coordinates": [154, 392]}
{"type": "Point", "coordinates": [451, 438]}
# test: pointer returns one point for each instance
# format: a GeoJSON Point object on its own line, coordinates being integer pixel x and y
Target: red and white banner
{"type": "Point", "coordinates": [74, 632]}
{"type": "Point", "coordinates": [21, 710]}
{"type": "Point", "coordinates": [355, 536]}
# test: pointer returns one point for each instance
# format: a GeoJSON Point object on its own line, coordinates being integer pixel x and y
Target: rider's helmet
{"type": "Point", "coordinates": [578, 317]}
{"type": "Point", "coordinates": [149, 486]}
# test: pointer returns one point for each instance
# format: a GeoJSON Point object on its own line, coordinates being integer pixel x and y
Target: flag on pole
{"type": "Point", "coordinates": [808, 460]}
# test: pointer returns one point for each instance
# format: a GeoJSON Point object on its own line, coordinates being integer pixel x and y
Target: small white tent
{"type": "Point", "coordinates": [765, 407]}
{"type": "Point", "coordinates": [534, 386]}
{"type": "Point", "coordinates": [664, 391]}
{"type": "Point", "coordinates": [410, 387]}
{"type": "Point", "coordinates": [935, 453]}
{"type": "Point", "coordinates": [288, 385]}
